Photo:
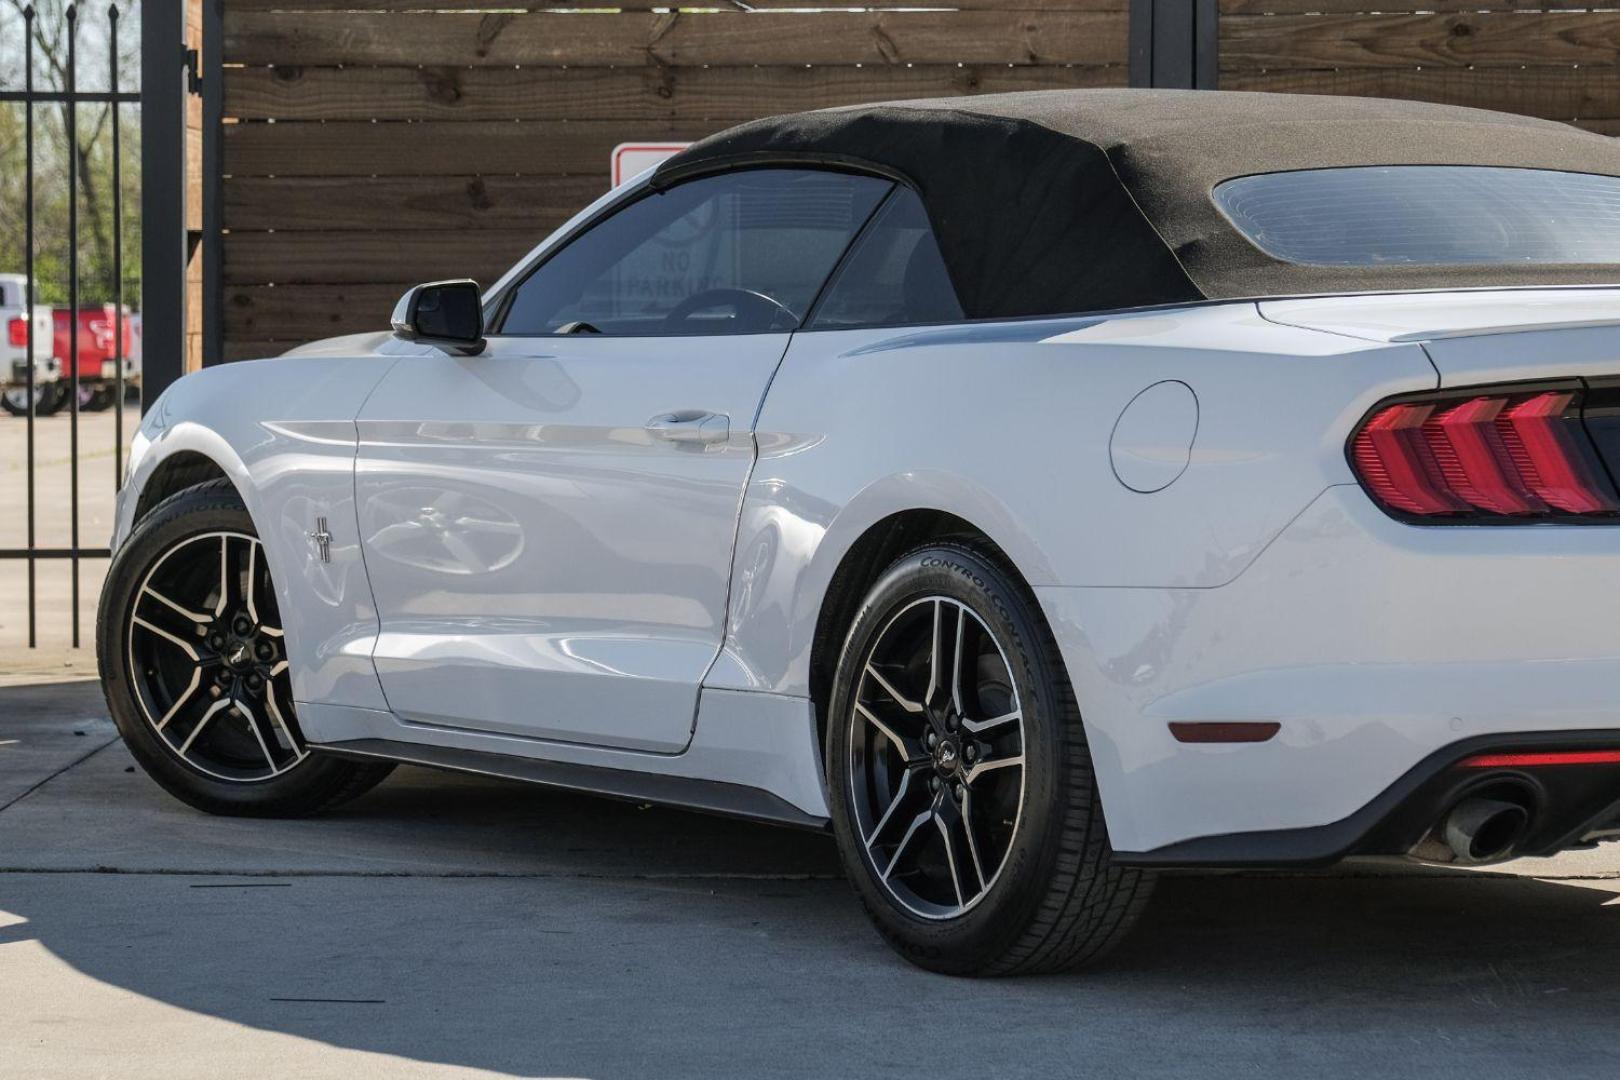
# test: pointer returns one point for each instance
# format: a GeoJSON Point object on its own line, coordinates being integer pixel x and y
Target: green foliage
{"type": "Point", "coordinates": [96, 181]}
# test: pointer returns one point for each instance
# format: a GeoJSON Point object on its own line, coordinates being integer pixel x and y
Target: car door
{"type": "Point", "coordinates": [548, 526]}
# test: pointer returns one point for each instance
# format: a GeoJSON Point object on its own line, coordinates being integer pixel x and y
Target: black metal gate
{"type": "Point", "coordinates": [65, 93]}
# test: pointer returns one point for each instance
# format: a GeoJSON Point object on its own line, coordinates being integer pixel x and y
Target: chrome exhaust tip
{"type": "Point", "coordinates": [1481, 830]}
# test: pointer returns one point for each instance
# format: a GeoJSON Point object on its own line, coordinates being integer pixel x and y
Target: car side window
{"type": "Point", "coordinates": [736, 253]}
{"type": "Point", "coordinates": [895, 276]}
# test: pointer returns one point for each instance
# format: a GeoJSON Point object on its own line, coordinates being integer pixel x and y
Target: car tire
{"type": "Point", "coordinates": [960, 873]}
{"type": "Point", "coordinates": [100, 399]}
{"type": "Point", "coordinates": [189, 646]}
{"type": "Point", "coordinates": [47, 400]}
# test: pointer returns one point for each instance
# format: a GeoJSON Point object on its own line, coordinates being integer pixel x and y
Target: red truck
{"type": "Point", "coordinates": [97, 360]}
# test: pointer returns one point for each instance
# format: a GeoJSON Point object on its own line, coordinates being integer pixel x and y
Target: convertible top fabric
{"type": "Point", "coordinates": [1062, 201]}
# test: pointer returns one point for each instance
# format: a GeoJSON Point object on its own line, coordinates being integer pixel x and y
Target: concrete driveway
{"type": "Point", "coordinates": [450, 926]}
{"type": "Point", "coordinates": [53, 529]}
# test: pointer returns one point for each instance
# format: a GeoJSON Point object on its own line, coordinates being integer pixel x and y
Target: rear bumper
{"type": "Point", "coordinates": [1569, 805]}
{"type": "Point", "coordinates": [46, 370]}
{"type": "Point", "coordinates": [1380, 649]}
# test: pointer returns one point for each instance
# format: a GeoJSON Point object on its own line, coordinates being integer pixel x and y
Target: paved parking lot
{"type": "Point", "coordinates": [450, 926]}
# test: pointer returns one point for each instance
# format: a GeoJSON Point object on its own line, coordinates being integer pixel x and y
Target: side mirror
{"type": "Point", "coordinates": [449, 314]}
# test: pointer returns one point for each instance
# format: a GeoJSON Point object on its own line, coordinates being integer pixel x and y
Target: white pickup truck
{"type": "Point", "coordinates": [50, 393]}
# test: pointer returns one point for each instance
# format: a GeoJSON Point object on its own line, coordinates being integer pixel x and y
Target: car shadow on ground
{"type": "Point", "coordinates": [577, 937]}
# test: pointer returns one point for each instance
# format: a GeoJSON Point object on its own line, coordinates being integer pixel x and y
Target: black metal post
{"type": "Point", "coordinates": [163, 187]}
{"type": "Point", "coordinates": [118, 256]}
{"type": "Point", "coordinates": [28, 304]}
{"type": "Point", "coordinates": [1173, 43]}
{"type": "Point", "coordinates": [1139, 48]}
{"type": "Point", "coordinates": [72, 109]}
{"type": "Point", "coordinates": [1206, 44]}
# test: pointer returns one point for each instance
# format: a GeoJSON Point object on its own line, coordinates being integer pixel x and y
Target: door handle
{"type": "Point", "coordinates": [691, 426]}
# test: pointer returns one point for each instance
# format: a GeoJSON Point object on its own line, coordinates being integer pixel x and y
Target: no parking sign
{"type": "Point", "coordinates": [631, 159]}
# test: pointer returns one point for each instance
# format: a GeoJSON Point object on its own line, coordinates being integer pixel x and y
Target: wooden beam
{"type": "Point", "coordinates": [294, 203]}
{"type": "Point", "coordinates": [719, 94]}
{"type": "Point", "coordinates": [1501, 39]}
{"type": "Point", "coordinates": [440, 148]}
{"type": "Point", "coordinates": [726, 6]}
{"type": "Point", "coordinates": [337, 257]}
{"type": "Point", "coordinates": [1566, 93]}
{"type": "Point", "coordinates": [589, 40]}
{"type": "Point", "coordinates": [237, 349]}
{"type": "Point", "coordinates": [1388, 7]}
{"type": "Point", "coordinates": [308, 312]}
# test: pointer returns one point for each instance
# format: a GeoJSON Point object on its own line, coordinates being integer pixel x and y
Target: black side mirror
{"type": "Point", "coordinates": [449, 314]}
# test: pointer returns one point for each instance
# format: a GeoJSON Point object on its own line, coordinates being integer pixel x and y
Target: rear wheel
{"type": "Point", "coordinates": [962, 790]}
{"type": "Point", "coordinates": [195, 669]}
{"type": "Point", "coordinates": [48, 398]}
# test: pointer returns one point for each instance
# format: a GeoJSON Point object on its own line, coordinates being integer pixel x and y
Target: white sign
{"type": "Point", "coordinates": [632, 159]}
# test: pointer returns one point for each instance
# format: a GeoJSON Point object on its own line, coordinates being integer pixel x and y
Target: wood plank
{"type": "Point", "coordinates": [236, 349]}
{"type": "Point", "coordinates": [682, 40]}
{"type": "Point", "coordinates": [1391, 7]}
{"type": "Point", "coordinates": [341, 257]}
{"type": "Point", "coordinates": [656, 5]}
{"type": "Point", "coordinates": [439, 147]}
{"type": "Point", "coordinates": [880, 5]}
{"type": "Point", "coordinates": [194, 184]}
{"type": "Point", "coordinates": [1488, 40]}
{"type": "Point", "coordinates": [1608, 126]}
{"type": "Point", "coordinates": [1553, 93]}
{"type": "Point", "coordinates": [728, 94]}
{"type": "Point", "coordinates": [307, 312]}
{"type": "Point", "coordinates": [288, 203]}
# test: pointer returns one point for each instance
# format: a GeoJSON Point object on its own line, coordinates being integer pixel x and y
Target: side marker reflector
{"type": "Point", "coordinates": [1224, 731]}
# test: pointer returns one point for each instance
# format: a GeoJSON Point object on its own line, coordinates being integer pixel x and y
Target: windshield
{"type": "Point", "coordinates": [1427, 214]}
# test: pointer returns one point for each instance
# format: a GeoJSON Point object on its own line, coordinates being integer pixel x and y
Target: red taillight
{"type": "Point", "coordinates": [1562, 468]}
{"type": "Point", "coordinates": [1397, 463]}
{"type": "Point", "coordinates": [1511, 455]}
{"type": "Point", "coordinates": [17, 332]}
{"type": "Point", "coordinates": [1537, 760]}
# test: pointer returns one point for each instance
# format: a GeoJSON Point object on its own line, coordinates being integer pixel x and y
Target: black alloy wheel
{"type": "Point", "coordinates": [206, 639]}
{"type": "Point", "coordinates": [936, 771]}
{"type": "Point", "coordinates": [195, 666]}
{"type": "Point", "coordinates": [959, 778]}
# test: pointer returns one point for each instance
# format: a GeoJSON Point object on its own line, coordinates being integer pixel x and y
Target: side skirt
{"type": "Point", "coordinates": [708, 796]}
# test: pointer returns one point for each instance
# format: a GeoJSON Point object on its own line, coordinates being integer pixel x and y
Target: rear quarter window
{"type": "Point", "coordinates": [1427, 214]}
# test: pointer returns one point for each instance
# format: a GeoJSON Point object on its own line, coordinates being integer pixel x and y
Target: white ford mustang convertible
{"type": "Point", "coordinates": [1034, 490]}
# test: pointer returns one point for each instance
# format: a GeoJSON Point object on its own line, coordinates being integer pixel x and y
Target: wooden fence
{"type": "Point", "coordinates": [404, 145]}
{"type": "Point", "coordinates": [363, 151]}
{"type": "Point", "coordinates": [1543, 58]}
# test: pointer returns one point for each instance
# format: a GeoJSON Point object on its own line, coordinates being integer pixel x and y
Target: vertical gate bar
{"type": "Point", "coordinates": [1206, 44]}
{"type": "Point", "coordinates": [1139, 57]}
{"type": "Point", "coordinates": [210, 72]}
{"type": "Point", "coordinates": [28, 300]}
{"type": "Point", "coordinates": [72, 108]}
{"type": "Point", "coordinates": [163, 226]}
{"type": "Point", "coordinates": [118, 256]}
{"type": "Point", "coordinates": [1173, 34]}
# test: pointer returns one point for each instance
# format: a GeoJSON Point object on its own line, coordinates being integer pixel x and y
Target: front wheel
{"type": "Point", "coordinates": [194, 666]}
{"type": "Point", "coordinates": [961, 787]}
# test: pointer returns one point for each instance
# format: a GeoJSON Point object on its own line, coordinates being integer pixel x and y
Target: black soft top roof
{"type": "Point", "coordinates": [1085, 200]}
